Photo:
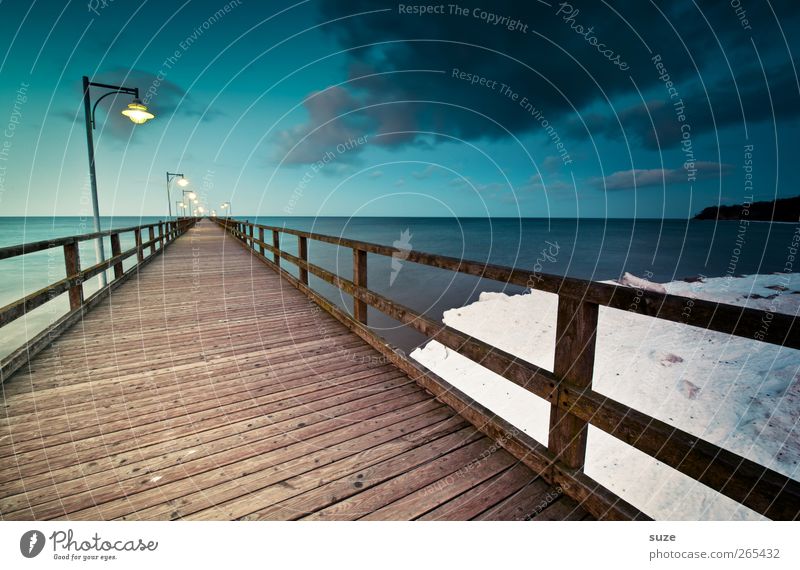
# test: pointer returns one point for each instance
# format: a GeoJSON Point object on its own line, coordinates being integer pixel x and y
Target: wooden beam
{"type": "Point", "coordinates": [302, 253]}
{"type": "Point", "coordinates": [137, 233]}
{"type": "Point", "coordinates": [115, 252]}
{"type": "Point", "coordinates": [576, 330]}
{"type": "Point", "coordinates": [72, 264]}
{"type": "Point", "coordinates": [276, 243]}
{"type": "Point", "coordinates": [152, 236]}
{"type": "Point", "coordinates": [359, 280]}
{"type": "Point", "coordinates": [765, 491]}
{"type": "Point", "coordinates": [783, 330]}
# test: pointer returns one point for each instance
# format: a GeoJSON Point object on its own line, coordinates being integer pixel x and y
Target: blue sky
{"type": "Point", "coordinates": [354, 108]}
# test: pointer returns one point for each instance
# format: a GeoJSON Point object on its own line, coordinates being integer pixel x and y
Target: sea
{"type": "Point", "coordinates": [595, 249]}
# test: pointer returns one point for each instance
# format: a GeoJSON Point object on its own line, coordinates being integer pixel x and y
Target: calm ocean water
{"type": "Point", "coordinates": [589, 249]}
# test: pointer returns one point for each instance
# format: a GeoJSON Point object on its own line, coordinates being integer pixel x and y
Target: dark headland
{"type": "Point", "coordinates": [780, 210]}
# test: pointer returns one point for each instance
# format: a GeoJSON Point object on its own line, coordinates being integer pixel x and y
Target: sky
{"type": "Point", "coordinates": [370, 108]}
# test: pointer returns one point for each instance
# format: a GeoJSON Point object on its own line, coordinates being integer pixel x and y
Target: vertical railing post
{"type": "Point", "coordinates": [576, 335]}
{"type": "Point", "coordinates": [137, 233]}
{"type": "Point", "coordinates": [276, 243]}
{"type": "Point", "coordinates": [252, 243]}
{"type": "Point", "coordinates": [161, 235]}
{"type": "Point", "coordinates": [360, 279]}
{"type": "Point", "coordinates": [261, 239]}
{"type": "Point", "coordinates": [115, 251]}
{"type": "Point", "coordinates": [72, 264]}
{"type": "Point", "coordinates": [151, 232]}
{"type": "Point", "coordinates": [302, 253]}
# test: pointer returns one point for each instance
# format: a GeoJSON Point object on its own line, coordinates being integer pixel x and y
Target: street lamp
{"type": "Point", "coordinates": [226, 206]}
{"type": "Point", "coordinates": [136, 112]}
{"type": "Point", "coordinates": [188, 196]}
{"type": "Point", "coordinates": [182, 182]}
{"type": "Point", "coordinates": [178, 206]}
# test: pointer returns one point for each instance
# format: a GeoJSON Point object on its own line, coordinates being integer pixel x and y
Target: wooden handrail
{"type": "Point", "coordinates": [32, 247]}
{"type": "Point", "coordinates": [76, 276]}
{"type": "Point", "coordinates": [575, 405]}
{"type": "Point", "coordinates": [783, 330]}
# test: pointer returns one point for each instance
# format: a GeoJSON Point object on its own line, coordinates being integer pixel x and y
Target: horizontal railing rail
{"type": "Point", "coordinates": [568, 388]}
{"type": "Point", "coordinates": [159, 235]}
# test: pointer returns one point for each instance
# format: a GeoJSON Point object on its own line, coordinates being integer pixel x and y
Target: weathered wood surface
{"type": "Point", "coordinates": [207, 388]}
{"type": "Point", "coordinates": [574, 403]}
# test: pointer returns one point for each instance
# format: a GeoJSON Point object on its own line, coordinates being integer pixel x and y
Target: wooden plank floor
{"type": "Point", "coordinates": [208, 388]}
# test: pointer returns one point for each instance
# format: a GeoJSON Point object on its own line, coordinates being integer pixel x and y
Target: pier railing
{"type": "Point", "coordinates": [568, 388]}
{"type": "Point", "coordinates": [149, 239]}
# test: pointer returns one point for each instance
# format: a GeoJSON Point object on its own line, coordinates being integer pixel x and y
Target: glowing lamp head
{"type": "Point", "coordinates": [182, 205]}
{"type": "Point", "coordinates": [191, 195]}
{"type": "Point", "coordinates": [137, 112]}
{"type": "Point", "coordinates": [182, 182]}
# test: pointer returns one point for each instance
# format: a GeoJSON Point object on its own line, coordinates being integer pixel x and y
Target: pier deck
{"type": "Point", "coordinates": [206, 387]}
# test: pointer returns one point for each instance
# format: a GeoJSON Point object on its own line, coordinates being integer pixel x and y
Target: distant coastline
{"type": "Point", "coordinates": [780, 210]}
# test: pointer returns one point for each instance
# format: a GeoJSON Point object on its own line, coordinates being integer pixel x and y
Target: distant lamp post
{"type": "Point", "coordinates": [226, 206]}
{"type": "Point", "coordinates": [136, 112]}
{"type": "Point", "coordinates": [178, 206]}
{"type": "Point", "coordinates": [182, 182]}
{"type": "Point", "coordinates": [187, 196]}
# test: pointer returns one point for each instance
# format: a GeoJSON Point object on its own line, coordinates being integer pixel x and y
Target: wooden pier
{"type": "Point", "coordinates": [208, 382]}
{"type": "Point", "coordinates": [207, 387]}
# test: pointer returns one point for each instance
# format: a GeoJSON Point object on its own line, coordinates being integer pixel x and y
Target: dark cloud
{"type": "Point", "coordinates": [550, 64]}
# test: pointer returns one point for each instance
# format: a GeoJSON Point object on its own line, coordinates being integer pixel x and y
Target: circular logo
{"type": "Point", "coordinates": [31, 543]}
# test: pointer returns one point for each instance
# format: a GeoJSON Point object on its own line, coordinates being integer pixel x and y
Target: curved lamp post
{"type": "Point", "coordinates": [189, 197]}
{"type": "Point", "coordinates": [137, 113]}
{"type": "Point", "coordinates": [182, 182]}
{"type": "Point", "coordinates": [226, 206]}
